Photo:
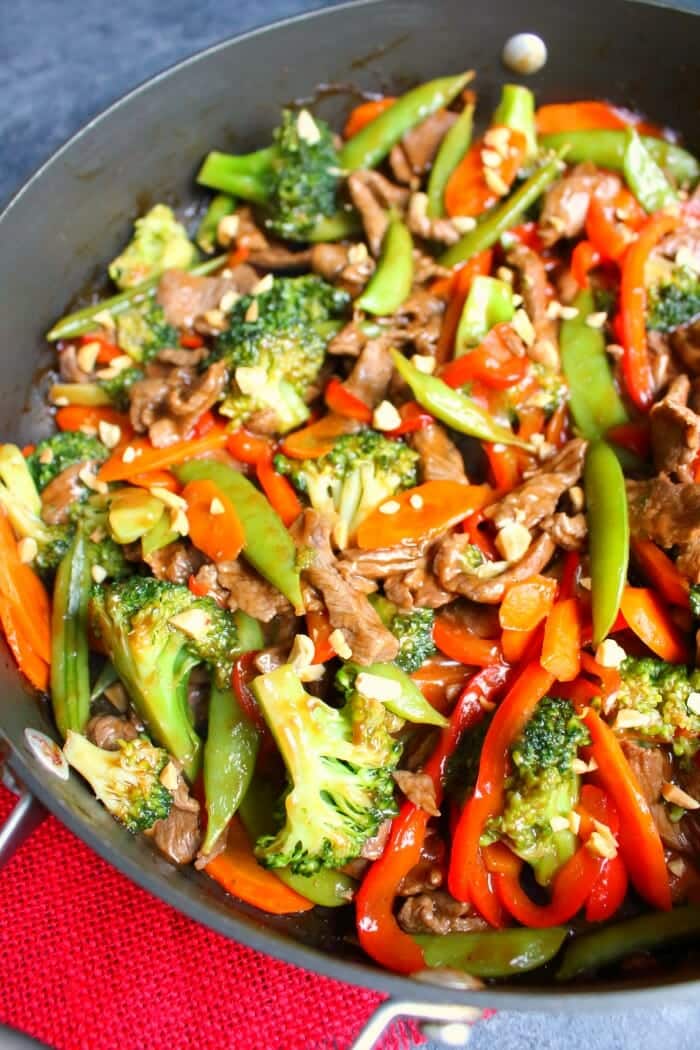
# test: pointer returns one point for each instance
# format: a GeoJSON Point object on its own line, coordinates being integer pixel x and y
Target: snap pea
{"type": "Point", "coordinates": [371, 145]}
{"type": "Point", "coordinates": [642, 934]}
{"type": "Point", "coordinates": [644, 176]}
{"type": "Point", "coordinates": [517, 110]}
{"type": "Point", "coordinates": [83, 320]}
{"type": "Point", "coordinates": [230, 752]}
{"type": "Point", "coordinates": [250, 635]}
{"type": "Point", "coordinates": [411, 704]}
{"type": "Point", "coordinates": [490, 302]}
{"type": "Point", "coordinates": [494, 953]}
{"type": "Point", "coordinates": [606, 149]}
{"type": "Point", "coordinates": [452, 148]}
{"type": "Point", "coordinates": [70, 673]}
{"type": "Point", "coordinates": [159, 535]}
{"type": "Point", "coordinates": [453, 407]}
{"type": "Point", "coordinates": [390, 284]}
{"type": "Point", "coordinates": [221, 205]}
{"type": "Point", "coordinates": [327, 887]}
{"type": "Point", "coordinates": [268, 546]}
{"type": "Point", "coordinates": [593, 398]}
{"type": "Point", "coordinates": [503, 216]}
{"type": "Point", "coordinates": [608, 534]}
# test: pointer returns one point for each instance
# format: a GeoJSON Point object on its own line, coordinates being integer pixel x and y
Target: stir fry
{"type": "Point", "coordinates": [362, 569]}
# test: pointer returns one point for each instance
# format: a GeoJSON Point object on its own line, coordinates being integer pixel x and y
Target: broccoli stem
{"type": "Point", "coordinates": [249, 177]}
{"type": "Point", "coordinates": [70, 676]}
{"type": "Point", "coordinates": [92, 395]}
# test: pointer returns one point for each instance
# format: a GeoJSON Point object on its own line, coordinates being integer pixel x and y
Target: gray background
{"type": "Point", "coordinates": [61, 62]}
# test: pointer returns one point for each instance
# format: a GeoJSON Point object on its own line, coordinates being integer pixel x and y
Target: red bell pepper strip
{"type": "Point", "coordinates": [490, 363]}
{"type": "Point", "coordinates": [249, 448]}
{"type": "Point", "coordinates": [365, 113]}
{"type": "Point", "coordinates": [636, 365]}
{"type": "Point", "coordinates": [609, 677]}
{"type": "Point", "coordinates": [661, 572]}
{"type": "Point", "coordinates": [640, 844]}
{"type": "Point", "coordinates": [468, 878]}
{"type": "Point", "coordinates": [459, 643]}
{"type": "Point", "coordinates": [610, 888]}
{"type": "Point", "coordinates": [606, 230]}
{"type": "Point", "coordinates": [584, 258]}
{"type": "Point", "coordinates": [191, 341]}
{"type": "Point", "coordinates": [633, 436]}
{"type": "Point", "coordinates": [107, 350]}
{"type": "Point", "coordinates": [320, 629]}
{"type": "Point", "coordinates": [569, 574]}
{"type": "Point", "coordinates": [379, 933]}
{"type": "Point", "coordinates": [413, 417]}
{"type": "Point", "coordinates": [341, 401]}
{"type": "Point", "coordinates": [279, 492]}
{"type": "Point", "coordinates": [477, 536]}
{"type": "Point", "coordinates": [504, 463]}
{"type": "Point", "coordinates": [571, 886]}
{"type": "Point", "coordinates": [468, 192]}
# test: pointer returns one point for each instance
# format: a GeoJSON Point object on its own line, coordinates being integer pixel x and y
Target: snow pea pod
{"type": "Point", "coordinates": [503, 216]}
{"type": "Point", "coordinates": [250, 635]}
{"type": "Point", "coordinates": [390, 284]}
{"type": "Point", "coordinates": [452, 406]}
{"type": "Point", "coordinates": [370, 146]}
{"type": "Point", "coordinates": [490, 302]}
{"type": "Point", "coordinates": [268, 546]}
{"type": "Point", "coordinates": [642, 934]}
{"type": "Point", "coordinates": [517, 110]}
{"type": "Point", "coordinates": [70, 673]}
{"type": "Point", "coordinates": [452, 148]}
{"type": "Point", "coordinates": [644, 176]}
{"type": "Point", "coordinates": [593, 398]}
{"type": "Point", "coordinates": [608, 534]}
{"type": "Point", "coordinates": [410, 704]}
{"type": "Point", "coordinates": [606, 149]}
{"type": "Point", "coordinates": [493, 953]}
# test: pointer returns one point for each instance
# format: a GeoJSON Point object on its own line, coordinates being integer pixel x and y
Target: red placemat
{"type": "Point", "coordinates": [88, 961]}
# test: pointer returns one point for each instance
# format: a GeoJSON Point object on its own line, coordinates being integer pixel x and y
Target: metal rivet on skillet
{"type": "Point", "coordinates": [524, 53]}
{"type": "Point", "coordinates": [47, 753]}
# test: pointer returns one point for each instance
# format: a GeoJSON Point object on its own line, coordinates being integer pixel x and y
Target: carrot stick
{"type": "Point", "coordinates": [30, 664]}
{"type": "Point", "coordinates": [661, 572]}
{"type": "Point", "coordinates": [459, 643]}
{"type": "Point", "coordinates": [648, 617]}
{"type": "Point", "coordinates": [25, 593]}
{"type": "Point", "coordinates": [561, 648]}
{"type": "Point", "coordinates": [365, 113]}
{"type": "Point", "coordinates": [279, 492]}
{"type": "Point", "coordinates": [420, 512]}
{"type": "Point", "coordinates": [147, 458]}
{"type": "Point", "coordinates": [214, 526]}
{"type": "Point", "coordinates": [527, 603]}
{"type": "Point", "coordinates": [81, 417]}
{"type": "Point", "coordinates": [320, 629]}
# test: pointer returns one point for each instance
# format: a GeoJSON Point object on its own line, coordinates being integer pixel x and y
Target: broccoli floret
{"type": "Point", "coordinates": [659, 693]}
{"type": "Point", "coordinates": [55, 454]}
{"type": "Point", "coordinates": [93, 518]}
{"type": "Point", "coordinates": [674, 300]}
{"type": "Point", "coordinates": [159, 243]}
{"type": "Point", "coordinates": [155, 632]}
{"type": "Point", "coordinates": [143, 331]}
{"type": "Point", "coordinates": [126, 781]}
{"type": "Point", "coordinates": [339, 764]}
{"type": "Point", "coordinates": [359, 472]}
{"type": "Point", "coordinates": [414, 631]}
{"type": "Point", "coordinates": [117, 388]}
{"type": "Point", "coordinates": [21, 501]}
{"type": "Point", "coordinates": [275, 356]}
{"type": "Point", "coordinates": [542, 785]}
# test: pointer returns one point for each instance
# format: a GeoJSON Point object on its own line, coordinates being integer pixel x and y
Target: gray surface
{"type": "Point", "coordinates": [60, 63]}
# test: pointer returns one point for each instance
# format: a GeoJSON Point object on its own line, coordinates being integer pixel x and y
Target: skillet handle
{"type": "Point", "coordinates": [446, 1023]}
{"type": "Point", "coordinates": [26, 815]}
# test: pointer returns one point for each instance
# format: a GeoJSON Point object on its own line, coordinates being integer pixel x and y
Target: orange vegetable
{"type": "Point", "coordinates": [661, 572]}
{"type": "Point", "coordinates": [467, 191]}
{"type": "Point", "coordinates": [279, 491]}
{"type": "Point", "coordinates": [107, 351]}
{"type": "Point", "coordinates": [218, 535]}
{"type": "Point", "coordinates": [249, 448]}
{"type": "Point", "coordinates": [161, 479]}
{"type": "Point", "coordinates": [555, 432]}
{"type": "Point", "coordinates": [365, 113]}
{"type": "Point", "coordinates": [25, 613]}
{"type": "Point", "coordinates": [318, 438]}
{"type": "Point", "coordinates": [80, 417]}
{"type": "Point", "coordinates": [584, 258]}
{"type": "Point", "coordinates": [148, 458]}
{"type": "Point", "coordinates": [608, 234]}
{"type": "Point", "coordinates": [589, 116]}
{"type": "Point", "coordinates": [459, 290]}
{"type": "Point", "coordinates": [561, 648]}
{"type": "Point", "coordinates": [648, 617]}
{"type": "Point", "coordinates": [237, 870]}
{"type": "Point", "coordinates": [459, 643]}
{"type": "Point", "coordinates": [238, 255]}
{"type": "Point", "coordinates": [341, 401]}
{"type": "Point", "coordinates": [515, 644]}
{"type": "Point", "coordinates": [504, 462]}
{"type": "Point", "coordinates": [527, 603]}
{"type": "Point", "coordinates": [320, 629]}
{"type": "Point", "coordinates": [191, 341]}
{"type": "Point", "coordinates": [29, 662]}
{"type": "Point", "coordinates": [442, 504]}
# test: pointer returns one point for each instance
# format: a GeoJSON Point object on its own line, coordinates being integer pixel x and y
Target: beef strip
{"type": "Point", "coordinates": [169, 401]}
{"type": "Point", "coordinates": [440, 459]}
{"type": "Point", "coordinates": [479, 620]}
{"type": "Point", "coordinates": [438, 912]}
{"type": "Point", "coordinates": [175, 562]}
{"type": "Point", "coordinates": [381, 562]}
{"type": "Point", "coordinates": [429, 873]}
{"type": "Point", "coordinates": [106, 730]}
{"type": "Point", "coordinates": [266, 252]}
{"type": "Point", "coordinates": [652, 767]}
{"type": "Point", "coordinates": [668, 514]}
{"type": "Point", "coordinates": [241, 587]}
{"type": "Point", "coordinates": [374, 196]}
{"type": "Point", "coordinates": [418, 322]}
{"type": "Point", "coordinates": [661, 362]}
{"type": "Point", "coordinates": [450, 570]}
{"type": "Point", "coordinates": [185, 296]}
{"type": "Point", "coordinates": [349, 341]}
{"type": "Point", "coordinates": [442, 230]}
{"type": "Point", "coordinates": [536, 292]}
{"type": "Point", "coordinates": [413, 155]}
{"type": "Point", "coordinates": [568, 531]}
{"type": "Point", "coordinates": [181, 357]}
{"type": "Point", "coordinates": [675, 432]}
{"type": "Point", "coordinates": [566, 202]}
{"type": "Point", "coordinates": [68, 367]}
{"type": "Point", "coordinates": [178, 836]}
{"type": "Point", "coordinates": [685, 343]}
{"type": "Point", "coordinates": [348, 609]}
{"type": "Point", "coordinates": [416, 589]}
{"type": "Point", "coordinates": [419, 789]}
{"type": "Point", "coordinates": [62, 493]}
{"type": "Point", "coordinates": [335, 263]}
{"type": "Point", "coordinates": [537, 497]}
{"type": "Point", "coordinates": [371, 374]}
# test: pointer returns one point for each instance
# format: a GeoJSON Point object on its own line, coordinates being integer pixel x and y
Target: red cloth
{"type": "Point", "coordinates": [88, 961]}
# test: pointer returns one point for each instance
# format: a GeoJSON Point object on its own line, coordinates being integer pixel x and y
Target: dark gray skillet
{"type": "Point", "coordinates": [76, 211]}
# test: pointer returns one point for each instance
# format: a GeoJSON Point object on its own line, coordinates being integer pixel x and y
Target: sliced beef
{"type": "Point", "coordinates": [178, 836]}
{"type": "Point", "coordinates": [349, 341]}
{"type": "Point", "coordinates": [685, 343]}
{"type": "Point", "coordinates": [346, 265]}
{"type": "Point", "coordinates": [536, 292]}
{"type": "Point", "coordinates": [480, 620]}
{"type": "Point", "coordinates": [668, 514]}
{"type": "Point", "coordinates": [381, 562]}
{"type": "Point", "coordinates": [348, 608]}
{"type": "Point", "coordinates": [175, 562]}
{"type": "Point", "coordinates": [454, 577]}
{"type": "Point", "coordinates": [418, 588]}
{"type": "Point", "coordinates": [418, 322]}
{"type": "Point", "coordinates": [374, 847]}
{"type": "Point", "coordinates": [675, 432]}
{"type": "Point", "coordinates": [568, 531]}
{"type": "Point", "coordinates": [62, 493]}
{"type": "Point", "coordinates": [106, 731]}
{"type": "Point", "coordinates": [418, 789]}
{"type": "Point", "coordinates": [442, 230]}
{"type": "Point", "coordinates": [429, 873]}
{"type": "Point", "coordinates": [374, 196]}
{"type": "Point", "coordinates": [182, 357]}
{"type": "Point", "coordinates": [68, 367]}
{"type": "Point", "coordinates": [371, 374]}
{"type": "Point", "coordinates": [438, 912]}
{"type": "Point", "coordinates": [652, 767]}
{"type": "Point", "coordinates": [688, 561]}
{"type": "Point", "coordinates": [266, 252]}
{"type": "Point", "coordinates": [661, 362]}
{"type": "Point", "coordinates": [440, 459]}
{"type": "Point", "coordinates": [427, 268]}
{"type": "Point", "coordinates": [413, 155]}
{"type": "Point", "coordinates": [537, 497]}
{"type": "Point", "coordinates": [245, 589]}
{"type": "Point", "coordinates": [185, 296]}
{"type": "Point", "coordinates": [169, 401]}
{"type": "Point", "coordinates": [566, 202]}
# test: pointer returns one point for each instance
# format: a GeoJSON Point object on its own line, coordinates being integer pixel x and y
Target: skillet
{"type": "Point", "coordinates": [81, 204]}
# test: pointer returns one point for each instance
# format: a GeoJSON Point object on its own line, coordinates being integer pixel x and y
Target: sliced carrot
{"type": "Point", "coordinates": [249, 448]}
{"type": "Point", "coordinates": [420, 512]}
{"type": "Point", "coordinates": [515, 644]}
{"type": "Point", "coordinates": [80, 417]}
{"type": "Point", "coordinates": [25, 593]}
{"type": "Point", "coordinates": [237, 870]}
{"type": "Point", "coordinates": [459, 643]}
{"type": "Point", "coordinates": [147, 458]}
{"type": "Point", "coordinates": [320, 630]}
{"type": "Point", "coordinates": [214, 526]}
{"type": "Point", "coordinates": [318, 438]}
{"type": "Point", "coordinates": [589, 116]}
{"type": "Point", "coordinates": [661, 572]}
{"type": "Point", "coordinates": [468, 192]}
{"type": "Point", "coordinates": [527, 603]}
{"type": "Point", "coordinates": [647, 615]}
{"type": "Point", "coordinates": [365, 113]}
{"type": "Point", "coordinates": [161, 479]}
{"type": "Point", "coordinates": [239, 255]}
{"type": "Point", "coordinates": [561, 647]}
{"type": "Point", "coordinates": [280, 492]}
{"type": "Point", "coordinates": [29, 662]}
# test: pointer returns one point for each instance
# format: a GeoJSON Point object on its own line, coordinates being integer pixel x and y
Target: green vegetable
{"type": "Point", "coordinates": [250, 635]}
{"type": "Point", "coordinates": [646, 933]}
{"type": "Point", "coordinates": [132, 513]}
{"type": "Point", "coordinates": [107, 677]}
{"type": "Point", "coordinates": [542, 785]}
{"type": "Point", "coordinates": [55, 454]}
{"type": "Point", "coordinates": [674, 300]}
{"type": "Point", "coordinates": [275, 358]}
{"type": "Point", "coordinates": [452, 406]}
{"type": "Point", "coordinates": [493, 953]}
{"type": "Point", "coordinates": [489, 302]}
{"type": "Point", "coordinates": [695, 599]}
{"type": "Point", "coordinates": [660, 691]}
{"type": "Point", "coordinates": [608, 535]}
{"type": "Point", "coordinates": [220, 206]}
{"type": "Point", "coordinates": [390, 284]}
{"type": "Point", "coordinates": [371, 145]}
{"type": "Point", "coordinates": [593, 398]}
{"type": "Point", "coordinates": [414, 631]}
{"type": "Point", "coordinates": [20, 499]}
{"type": "Point", "coordinates": [500, 219]}
{"type": "Point", "coordinates": [159, 243]}
{"type": "Point", "coordinates": [126, 781]}
{"type": "Point", "coordinates": [159, 535]}
{"type": "Point", "coordinates": [84, 320]}
{"type": "Point", "coordinates": [230, 751]}
{"type": "Point", "coordinates": [268, 546]}
{"type": "Point", "coordinates": [517, 110]}
{"type": "Point", "coordinates": [345, 484]}
{"type": "Point", "coordinates": [452, 149]}
{"type": "Point", "coordinates": [339, 764]}
{"type": "Point", "coordinates": [409, 704]}
{"type": "Point", "coordinates": [143, 331]}
{"type": "Point", "coordinates": [92, 395]}
{"type": "Point", "coordinates": [606, 149]}
{"type": "Point", "coordinates": [644, 176]}
{"type": "Point", "coordinates": [70, 673]}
